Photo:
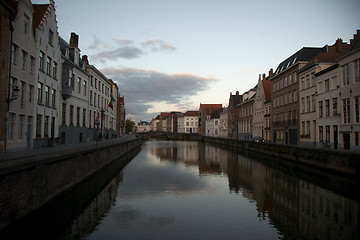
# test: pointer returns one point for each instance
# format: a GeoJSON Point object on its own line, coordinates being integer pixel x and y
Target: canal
{"type": "Point", "coordinates": [194, 190]}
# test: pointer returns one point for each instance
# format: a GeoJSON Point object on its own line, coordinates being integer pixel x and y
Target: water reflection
{"type": "Point", "coordinates": [171, 187]}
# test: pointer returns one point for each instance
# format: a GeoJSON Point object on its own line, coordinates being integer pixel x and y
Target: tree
{"type": "Point", "coordinates": [129, 125]}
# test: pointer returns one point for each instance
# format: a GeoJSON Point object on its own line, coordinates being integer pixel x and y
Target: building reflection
{"type": "Point", "coordinates": [91, 216]}
{"type": "Point", "coordinates": [297, 208]}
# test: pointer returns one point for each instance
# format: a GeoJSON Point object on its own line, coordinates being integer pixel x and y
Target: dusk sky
{"type": "Point", "coordinates": [173, 55]}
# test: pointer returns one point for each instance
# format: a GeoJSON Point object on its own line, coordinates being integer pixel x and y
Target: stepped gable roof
{"type": "Point", "coordinates": [267, 89]}
{"type": "Point", "coordinates": [235, 99]}
{"type": "Point", "coordinates": [191, 114]}
{"type": "Point", "coordinates": [304, 54]}
{"type": "Point", "coordinates": [210, 107]}
{"type": "Point", "coordinates": [39, 13]}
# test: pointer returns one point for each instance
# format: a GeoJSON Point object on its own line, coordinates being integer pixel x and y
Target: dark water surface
{"type": "Point", "coordinates": [192, 190]}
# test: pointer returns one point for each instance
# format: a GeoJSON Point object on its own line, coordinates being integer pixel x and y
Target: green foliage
{"type": "Point", "coordinates": [129, 125]}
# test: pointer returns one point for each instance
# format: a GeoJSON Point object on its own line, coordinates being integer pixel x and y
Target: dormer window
{"type": "Point", "coordinates": [26, 24]}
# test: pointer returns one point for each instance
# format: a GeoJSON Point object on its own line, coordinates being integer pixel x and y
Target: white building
{"type": "Point", "coordinates": [143, 126]}
{"type": "Point", "coordinates": [48, 75]}
{"type": "Point", "coordinates": [74, 94]}
{"type": "Point", "coordinates": [223, 127]}
{"type": "Point", "coordinates": [328, 108]}
{"type": "Point", "coordinates": [189, 122]}
{"type": "Point", "coordinates": [261, 96]}
{"type": "Point", "coordinates": [22, 78]}
{"type": "Point", "coordinates": [212, 128]}
{"type": "Point", "coordinates": [349, 65]}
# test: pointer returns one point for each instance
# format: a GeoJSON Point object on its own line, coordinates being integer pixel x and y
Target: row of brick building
{"type": "Point", "coordinates": [50, 94]}
{"type": "Point", "coordinates": [312, 99]}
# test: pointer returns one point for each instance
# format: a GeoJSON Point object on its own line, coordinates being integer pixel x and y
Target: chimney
{"type": "Point", "coordinates": [263, 76]}
{"type": "Point", "coordinates": [271, 72]}
{"type": "Point", "coordinates": [74, 40]}
{"type": "Point", "coordinates": [85, 59]}
{"type": "Point", "coordinates": [237, 92]}
{"type": "Point", "coordinates": [259, 76]}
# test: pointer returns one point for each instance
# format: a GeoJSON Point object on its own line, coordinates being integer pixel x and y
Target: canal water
{"type": "Point", "coordinates": [193, 190]}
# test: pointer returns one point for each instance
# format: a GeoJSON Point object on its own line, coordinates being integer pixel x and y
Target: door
{"type": "Point", "coordinates": [335, 136]}
{"type": "Point", "coordinates": [346, 138]}
{"type": "Point", "coordinates": [28, 137]}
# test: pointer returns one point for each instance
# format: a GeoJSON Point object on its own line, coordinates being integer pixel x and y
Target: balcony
{"type": "Point", "coordinates": [66, 92]}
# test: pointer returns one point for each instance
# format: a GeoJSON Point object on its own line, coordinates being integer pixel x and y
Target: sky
{"type": "Point", "coordinates": [168, 55]}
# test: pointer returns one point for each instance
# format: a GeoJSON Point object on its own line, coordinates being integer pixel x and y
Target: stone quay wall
{"type": "Point", "coordinates": [28, 183]}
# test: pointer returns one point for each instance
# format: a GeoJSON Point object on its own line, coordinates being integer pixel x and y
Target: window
{"type": "Point", "coordinates": [48, 65]}
{"type": "Point", "coordinates": [51, 37]}
{"type": "Point", "coordinates": [295, 96]}
{"type": "Point", "coordinates": [308, 127]}
{"type": "Point", "coordinates": [10, 129]}
{"type": "Point", "coordinates": [79, 84]}
{"type": "Point", "coordinates": [327, 107]}
{"type": "Point", "coordinates": [26, 24]}
{"type": "Point", "coordinates": [302, 83]}
{"type": "Point", "coordinates": [303, 128]}
{"type": "Point", "coordinates": [357, 70]}
{"type": "Point", "coordinates": [47, 96]}
{"type": "Point", "coordinates": [357, 110]}
{"type": "Point", "coordinates": [313, 103]}
{"type": "Point", "coordinates": [84, 117]}
{"type": "Point", "coordinates": [307, 81]}
{"type": "Point", "coordinates": [71, 77]}
{"type": "Point", "coordinates": [30, 93]}
{"type": "Point", "coordinates": [357, 138]}
{"type": "Point", "coordinates": [346, 79]}
{"type": "Point", "coordinates": [290, 79]}
{"type": "Point", "coordinates": [85, 87]}
{"type": "Point", "coordinates": [303, 104]}
{"type": "Point", "coordinates": [308, 104]}
{"type": "Point", "coordinates": [39, 93]}
{"type": "Point", "coordinates": [327, 85]}
{"type": "Point", "coordinates": [32, 65]}
{"type": "Point", "coordinates": [91, 101]}
{"type": "Point", "coordinates": [23, 60]}
{"type": "Point", "coordinates": [78, 116]}
{"type": "Point", "coordinates": [63, 114]}
{"type": "Point", "coordinates": [334, 102]}
{"type": "Point", "coordinates": [14, 52]}
{"type": "Point", "coordinates": [71, 115]}
{"type": "Point", "coordinates": [327, 133]}
{"type": "Point", "coordinates": [346, 108]}
{"type": "Point", "coordinates": [38, 125]}
{"type": "Point", "coordinates": [91, 80]}
{"type": "Point", "coordinates": [95, 99]}
{"type": "Point", "coordinates": [41, 61]}
{"type": "Point", "coordinates": [89, 118]}
{"type": "Point", "coordinates": [46, 126]}
{"type": "Point", "coordinates": [320, 108]}
{"type": "Point", "coordinates": [321, 133]}
{"type": "Point", "coordinates": [52, 127]}
{"type": "Point", "coordinates": [53, 98]}
{"type": "Point", "coordinates": [54, 72]}
{"type": "Point", "coordinates": [21, 127]}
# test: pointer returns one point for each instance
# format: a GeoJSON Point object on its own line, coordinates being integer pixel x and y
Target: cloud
{"type": "Point", "coordinates": [144, 88]}
{"type": "Point", "coordinates": [128, 52]}
{"type": "Point", "coordinates": [158, 45]}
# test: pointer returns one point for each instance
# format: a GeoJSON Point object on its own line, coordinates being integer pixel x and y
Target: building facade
{"type": "Point", "coordinates": [47, 77]}
{"type": "Point", "coordinates": [213, 124]}
{"type": "Point", "coordinates": [204, 111]}
{"type": "Point", "coordinates": [284, 97]}
{"type": "Point", "coordinates": [233, 114]}
{"type": "Point", "coordinates": [245, 118]}
{"type": "Point", "coordinates": [6, 14]}
{"type": "Point", "coordinates": [223, 126]}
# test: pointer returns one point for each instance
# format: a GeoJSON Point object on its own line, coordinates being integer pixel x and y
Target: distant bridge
{"type": "Point", "coordinates": [160, 135]}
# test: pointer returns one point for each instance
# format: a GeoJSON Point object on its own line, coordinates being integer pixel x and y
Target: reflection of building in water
{"type": "Point", "coordinates": [91, 216]}
{"type": "Point", "coordinates": [212, 160]}
{"type": "Point", "coordinates": [325, 215]}
{"type": "Point", "coordinates": [298, 209]}
{"type": "Point", "coordinates": [187, 152]}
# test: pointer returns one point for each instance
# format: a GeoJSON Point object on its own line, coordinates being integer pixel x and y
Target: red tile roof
{"type": "Point", "coordinates": [206, 106]}
{"type": "Point", "coordinates": [267, 89]}
{"type": "Point", "coordinates": [191, 113]}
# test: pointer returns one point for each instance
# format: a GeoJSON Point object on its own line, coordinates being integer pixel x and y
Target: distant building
{"type": "Point", "coordinates": [143, 126]}
{"type": "Point", "coordinates": [189, 122]}
{"type": "Point", "coordinates": [233, 114]}
{"type": "Point", "coordinates": [120, 116]}
{"type": "Point", "coordinates": [263, 95]}
{"type": "Point", "coordinates": [245, 118]}
{"type": "Point", "coordinates": [204, 111]}
{"type": "Point", "coordinates": [224, 121]}
{"type": "Point", "coordinates": [213, 124]}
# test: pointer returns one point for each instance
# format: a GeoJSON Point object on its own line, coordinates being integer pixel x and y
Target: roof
{"type": "Point", "coordinates": [191, 114]}
{"type": "Point", "coordinates": [236, 99]}
{"type": "Point", "coordinates": [207, 106]}
{"type": "Point", "coordinates": [267, 89]}
{"type": "Point", "coordinates": [304, 54]}
{"type": "Point", "coordinates": [39, 13]}
{"type": "Point", "coordinates": [216, 114]}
